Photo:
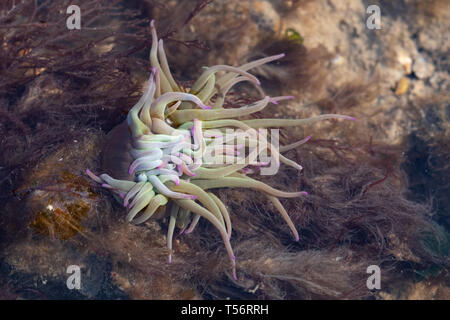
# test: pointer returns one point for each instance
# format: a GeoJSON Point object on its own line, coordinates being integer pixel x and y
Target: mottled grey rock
{"type": "Point", "coordinates": [422, 68]}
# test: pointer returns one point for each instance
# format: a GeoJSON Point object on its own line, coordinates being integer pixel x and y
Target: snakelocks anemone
{"type": "Point", "coordinates": [176, 146]}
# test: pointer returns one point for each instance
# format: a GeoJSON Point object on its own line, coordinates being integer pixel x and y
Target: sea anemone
{"type": "Point", "coordinates": [177, 144]}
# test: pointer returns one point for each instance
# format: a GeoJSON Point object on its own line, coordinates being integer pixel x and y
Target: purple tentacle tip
{"type": "Point", "coordinates": [282, 55]}
{"type": "Point", "coordinates": [297, 239]}
{"type": "Point", "coordinates": [170, 258]}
